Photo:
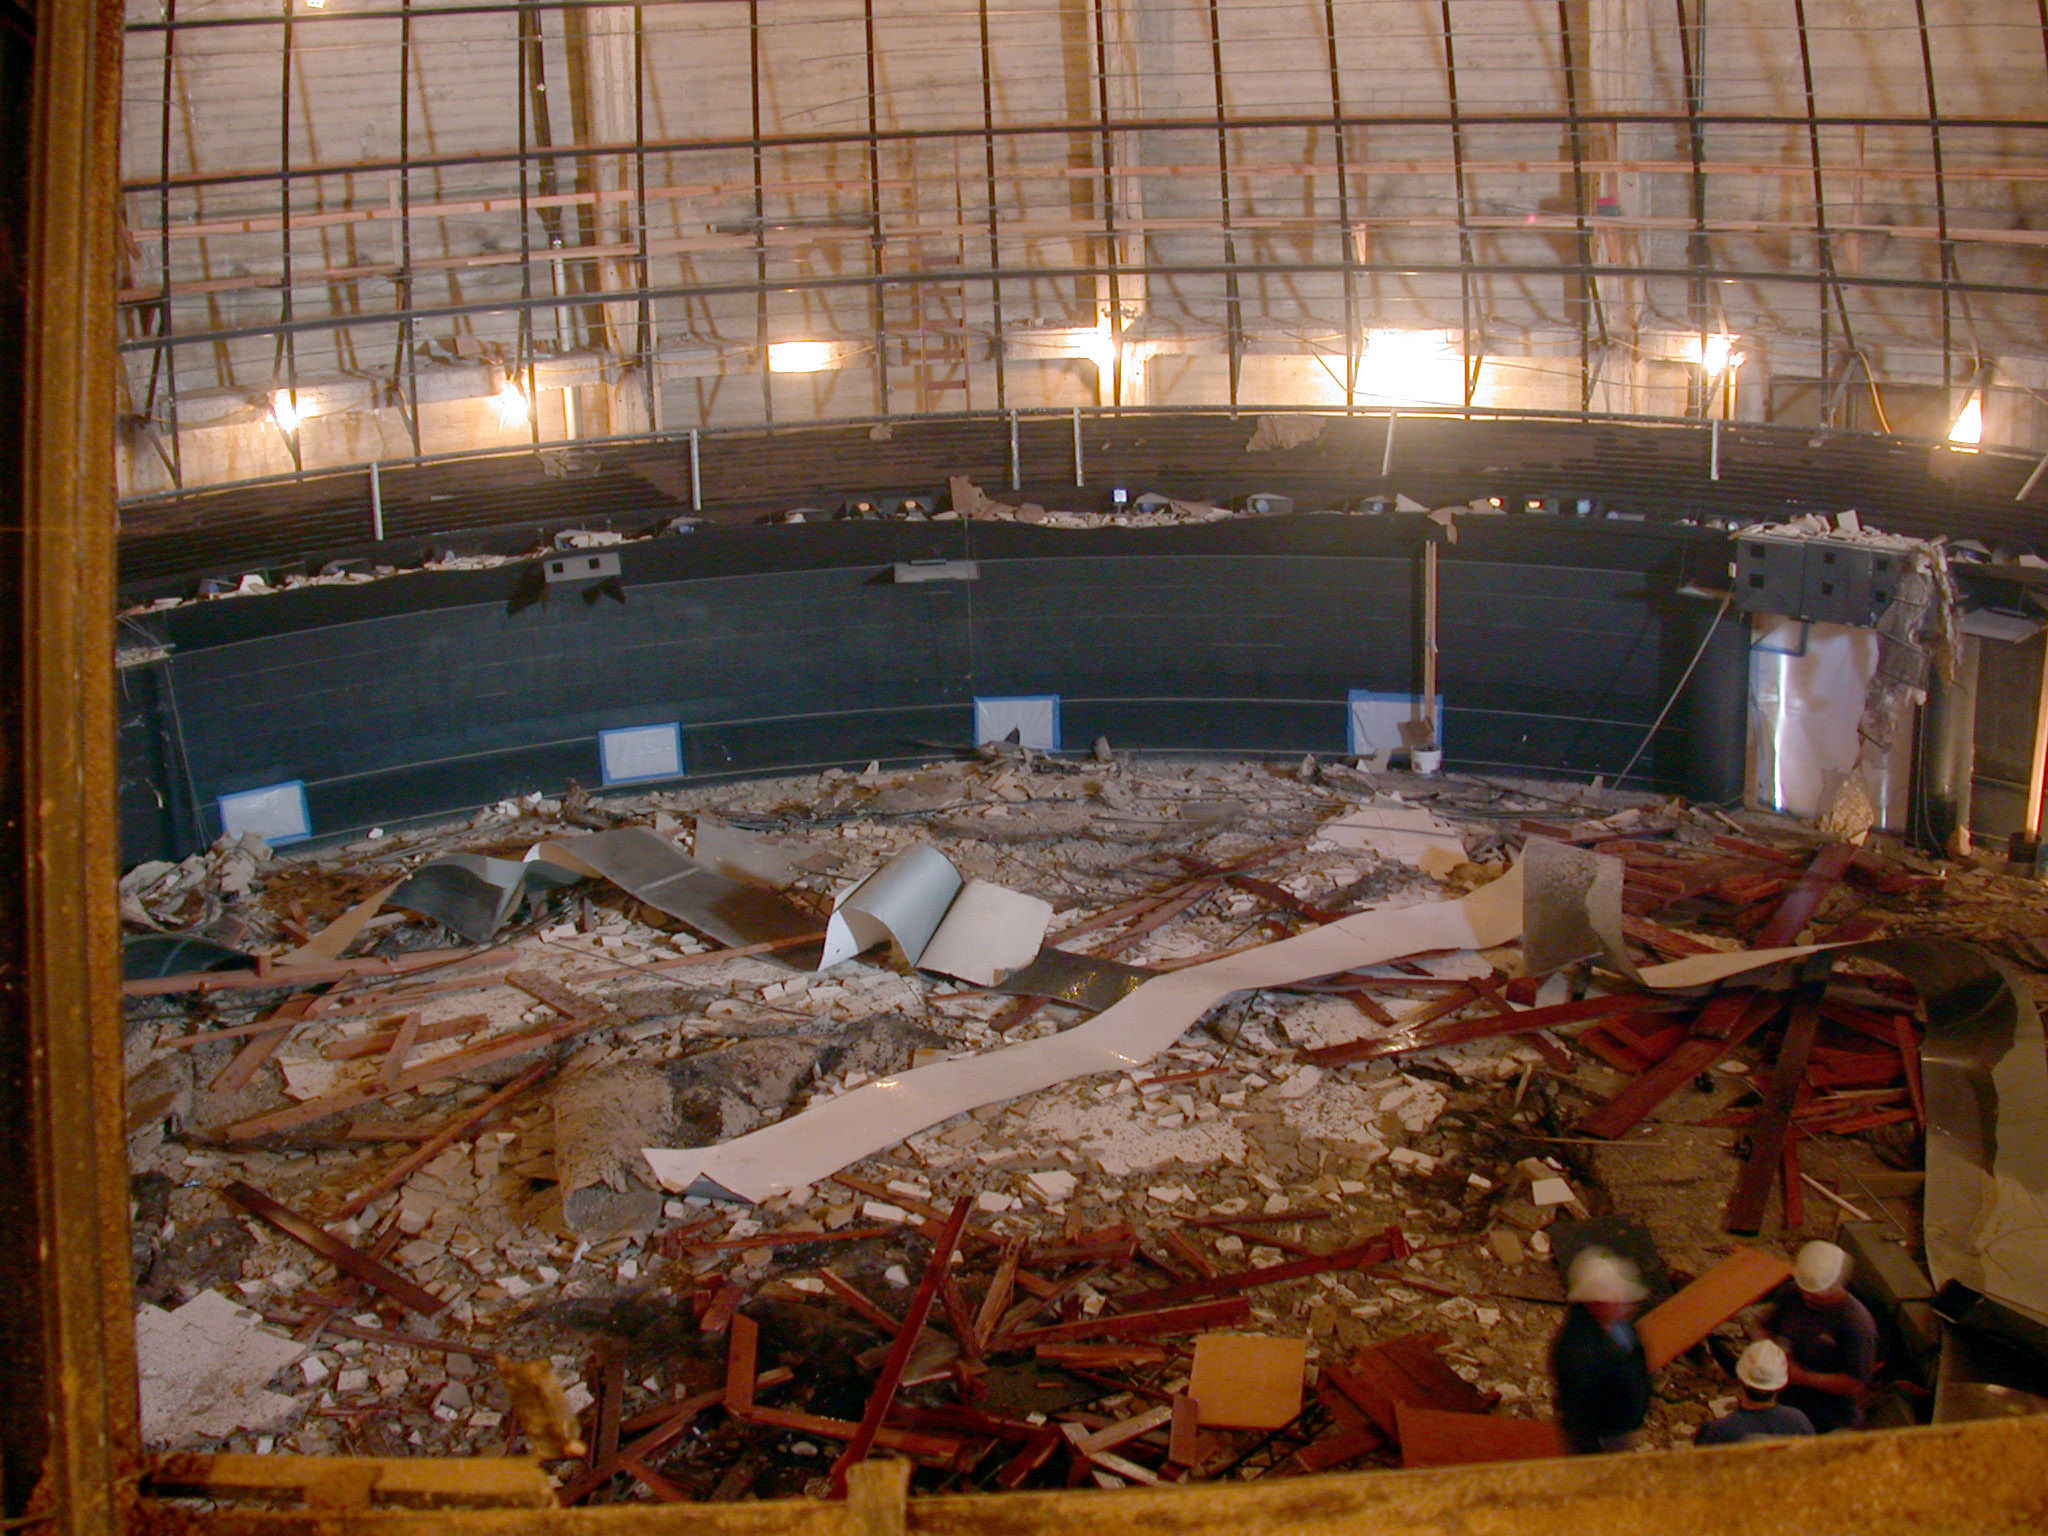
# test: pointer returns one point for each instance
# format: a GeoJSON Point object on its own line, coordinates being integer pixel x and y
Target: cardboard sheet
{"type": "Point", "coordinates": [823, 1139]}
{"type": "Point", "coordinates": [917, 901]}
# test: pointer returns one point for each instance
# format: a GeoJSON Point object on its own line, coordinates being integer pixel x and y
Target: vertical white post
{"type": "Point", "coordinates": [376, 504]}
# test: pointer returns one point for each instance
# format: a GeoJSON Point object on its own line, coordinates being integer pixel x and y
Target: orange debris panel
{"type": "Point", "coordinates": [1432, 1437]}
{"type": "Point", "coordinates": [1247, 1380]}
{"type": "Point", "coordinates": [1671, 1328]}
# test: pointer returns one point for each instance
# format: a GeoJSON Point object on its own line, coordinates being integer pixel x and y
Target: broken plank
{"type": "Point", "coordinates": [790, 1237]}
{"type": "Point", "coordinates": [1001, 1286]}
{"type": "Point", "coordinates": [725, 1306]}
{"type": "Point", "coordinates": [855, 1298]}
{"type": "Point", "coordinates": [891, 1375]}
{"type": "Point", "coordinates": [1100, 1357]}
{"type": "Point", "coordinates": [1125, 1430]}
{"type": "Point", "coordinates": [611, 1400]}
{"type": "Point", "coordinates": [1674, 1325]}
{"type": "Point", "coordinates": [1745, 1211]}
{"type": "Point", "coordinates": [664, 1491]}
{"type": "Point", "coordinates": [1431, 1437]}
{"type": "Point", "coordinates": [1578, 1011]}
{"type": "Point", "coordinates": [468, 1123]}
{"type": "Point", "coordinates": [670, 1425]}
{"type": "Point", "coordinates": [427, 1072]}
{"type": "Point", "coordinates": [741, 1347]}
{"type": "Point", "coordinates": [1724, 1024]}
{"type": "Point", "coordinates": [1184, 1440]}
{"type": "Point", "coordinates": [1909, 1059]}
{"type": "Point", "coordinates": [1180, 1319]}
{"type": "Point", "coordinates": [1034, 1455]}
{"type": "Point", "coordinates": [303, 975]}
{"type": "Point", "coordinates": [1193, 1256]}
{"type": "Point", "coordinates": [250, 1059]}
{"type": "Point", "coordinates": [1796, 910]}
{"type": "Point", "coordinates": [379, 1041]}
{"type": "Point", "coordinates": [401, 1048]}
{"type": "Point", "coordinates": [911, 1442]}
{"type": "Point", "coordinates": [546, 989]}
{"type": "Point", "coordinates": [1378, 1250]}
{"type": "Point", "coordinates": [1334, 1450]}
{"type": "Point", "coordinates": [346, 1257]}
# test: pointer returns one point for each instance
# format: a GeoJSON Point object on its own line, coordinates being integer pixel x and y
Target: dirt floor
{"type": "Point", "coordinates": [1234, 1150]}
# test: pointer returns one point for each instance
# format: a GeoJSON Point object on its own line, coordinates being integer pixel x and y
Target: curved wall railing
{"type": "Point", "coordinates": [505, 501]}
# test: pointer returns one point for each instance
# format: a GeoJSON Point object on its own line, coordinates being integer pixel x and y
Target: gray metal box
{"type": "Point", "coordinates": [582, 567]}
{"type": "Point", "coordinates": [1770, 575]}
{"type": "Point", "coordinates": [1816, 579]}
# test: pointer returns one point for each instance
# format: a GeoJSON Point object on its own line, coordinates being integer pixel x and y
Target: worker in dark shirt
{"type": "Point", "coordinates": [1830, 1337]}
{"type": "Point", "coordinates": [1762, 1373]}
{"type": "Point", "coordinates": [1596, 1360]}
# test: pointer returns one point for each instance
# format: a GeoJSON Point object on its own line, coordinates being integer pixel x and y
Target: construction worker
{"type": "Point", "coordinates": [1761, 1374]}
{"type": "Point", "coordinates": [1829, 1337]}
{"type": "Point", "coordinates": [1596, 1360]}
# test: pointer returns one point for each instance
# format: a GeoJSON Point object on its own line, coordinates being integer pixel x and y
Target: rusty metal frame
{"type": "Point", "coordinates": [67, 1103]}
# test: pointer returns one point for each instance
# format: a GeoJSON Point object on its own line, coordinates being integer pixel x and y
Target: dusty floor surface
{"type": "Point", "coordinates": [1231, 1150]}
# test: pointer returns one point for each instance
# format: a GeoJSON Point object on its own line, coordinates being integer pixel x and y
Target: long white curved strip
{"type": "Point", "coordinates": [823, 1139]}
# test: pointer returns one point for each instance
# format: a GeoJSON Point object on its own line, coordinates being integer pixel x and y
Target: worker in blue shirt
{"type": "Point", "coordinates": [1761, 1373]}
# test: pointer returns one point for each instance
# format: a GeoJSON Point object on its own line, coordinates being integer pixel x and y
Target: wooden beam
{"type": "Point", "coordinates": [1752, 1192]}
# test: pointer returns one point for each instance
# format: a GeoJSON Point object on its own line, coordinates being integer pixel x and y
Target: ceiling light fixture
{"type": "Point", "coordinates": [1411, 368]}
{"type": "Point", "coordinates": [799, 356]}
{"type": "Point", "coordinates": [1716, 353]}
{"type": "Point", "coordinates": [1967, 430]}
{"type": "Point", "coordinates": [513, 411]}
{"type": "Point", "coordinates": [284, 410]}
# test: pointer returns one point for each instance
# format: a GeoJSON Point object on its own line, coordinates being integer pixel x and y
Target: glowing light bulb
{"type": "Point", "coordinates": [1411, 368]}
{"type": "Point", "coordinates": [1968, 428]}
{"type": "Point", "coordinates": [284, 410]}
{"type": "Point", "coordinates": [799, 356]}
{"type": "Point", "coordinates": [513, 410]}
{"type": "Point", "coordinates": [1716, 353]}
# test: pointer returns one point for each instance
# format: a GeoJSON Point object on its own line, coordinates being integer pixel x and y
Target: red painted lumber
{"type": "Point", "coordinates": [1796, 910]}
{"type": "Point", "coordinates": [1390, 1244]}
{"type": "Point", "coordinates": [1431, 1437]}
{"type": "Point", "coordinates": [1723, 1025]}
{"type": "Point", "coordinates": [1745, 1212]}
{"type": "Point", "coordinates": [1575, 1012]}
{"type": "Point", "coordinates": [936, 1268]}
{"type": "Point", "coordinates": [346, 1257]}
{"type": "Point", "coordinates": [1221, 1313]}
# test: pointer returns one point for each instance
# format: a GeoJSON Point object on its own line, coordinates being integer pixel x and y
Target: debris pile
{"type": "Point", "coordinates": [388, 1140]}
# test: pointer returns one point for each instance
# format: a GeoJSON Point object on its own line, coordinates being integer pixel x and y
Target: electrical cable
{"type": "Point", "coordinates": [1727, 598]}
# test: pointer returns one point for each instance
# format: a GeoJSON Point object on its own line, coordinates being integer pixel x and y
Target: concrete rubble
{"type": "Point", "coordinates": [462, 1136]}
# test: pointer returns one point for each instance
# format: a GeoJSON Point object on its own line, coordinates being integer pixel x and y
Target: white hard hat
{"type": "Point", "coordinates": [1597, 1275]}
{"type": "Point", "coordinates": [1820, 1267]}
{"type": "Point", "coordinates": [1762, 1367]}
